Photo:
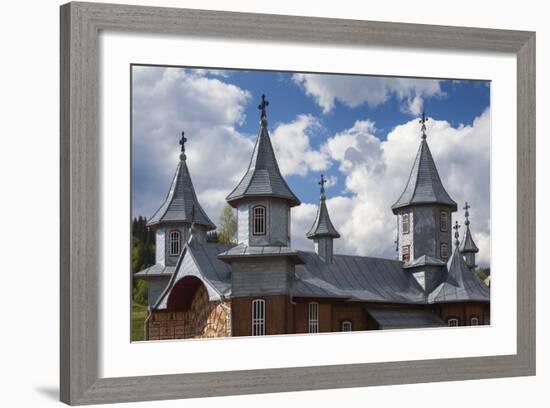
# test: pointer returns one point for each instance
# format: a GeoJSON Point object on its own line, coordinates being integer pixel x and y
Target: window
{"type": "Point", "coordinates": [444, 250]}
{"type": "Point", "coordinates": [405, 224]}
{"type": "Point", "coordinates": [313, 317]}
{"type": "Point", "coordinates": [258, 220]}
{"type": "Point", "coordinates": [406, 253]}
{"type": "Point", "coordinates": [444, 221]}
{"type": "Point", "coordinates": [474, 321]}
{"type": "Point", "coordinates": [174, 243]}
{"type": "Point", "coordinates": [453, 322]}
{"type": "Point", "coordinates": [346, 326]}
{"type": "Point", "coordinates": [258, 317]}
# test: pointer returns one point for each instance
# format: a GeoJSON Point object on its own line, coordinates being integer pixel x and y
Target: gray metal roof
{"type": "Point", "coordinates": [424, 260]}
{"type": "Point", "coordinates": [263, 177]}
{"type": "Point", "coordinates": [155, 270]}
{"type": "Point", "coordinates": [245, 251]}
{"type": "Point", "coordinates": [460, 284]}
{"type": "Point", "coordinates": [199, 259]}
{"type": "Point", "coordinates": [424, 185]}
{"type": "Point", "coordinates": [468, 244]}
{"type": "Point", "coordinates": [322, 226]}
{"type": "Point", "coordinates": [180, 201]}
{"type": "Point", "coordinates": [356, 278]}
{"type": "Point", "coordinates": [403, 318]}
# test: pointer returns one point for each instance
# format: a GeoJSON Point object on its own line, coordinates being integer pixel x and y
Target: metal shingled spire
{"type": "Point", "coordinates": [424, 185]}
{"type": "Point", "coordinates": [263, 177]}
{"type": "Point", "coordinates": [468, 244]}
{"type": "Point", "coordinates": [322, 226]}
{"type": "Point", "coordinates": [181, 203]}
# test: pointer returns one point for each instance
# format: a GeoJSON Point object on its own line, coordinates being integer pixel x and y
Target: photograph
{"type": "Point", "coordinates": [285, 203]}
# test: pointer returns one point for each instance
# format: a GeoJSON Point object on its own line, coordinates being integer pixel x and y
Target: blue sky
{"type": "Point", "coordinates": [362, 132]}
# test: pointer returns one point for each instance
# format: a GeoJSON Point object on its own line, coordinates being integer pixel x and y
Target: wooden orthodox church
{"type": "Point", "coordinates": [262, 286]}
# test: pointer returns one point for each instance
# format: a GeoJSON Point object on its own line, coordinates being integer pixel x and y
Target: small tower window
{"type": "Point", "coordinates": [174, 243]}
{"type": "Point", "coordinates": [444, 250]}
{"type": "Point", "coordinates": [258, 317]}
{"type": "Point", "coordinates": [347, 326]}
{"type": "Point", "coordinates": [452, 322]}
{"type": "Point", "coordinates": [405, 223]}
{"type": "Point", "coordinates": [313, 317]}
{"type": "Point", "coordinates": [474, 321]}
{"type": "Point", "coordinates": [444, 221]}
{"type": "Point", "coordinates": [406, 253]}
{"type": "Point", "coordinates": [258, 220]}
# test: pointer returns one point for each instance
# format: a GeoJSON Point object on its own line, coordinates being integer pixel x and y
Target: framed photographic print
{"type": "Point", "coordinates": [234, 183]}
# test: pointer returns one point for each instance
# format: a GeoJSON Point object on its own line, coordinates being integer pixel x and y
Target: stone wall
{"type": "Point", "coordinates": [204, 319]}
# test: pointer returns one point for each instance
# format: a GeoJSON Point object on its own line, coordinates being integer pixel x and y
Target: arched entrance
{"type": "Point", "coordinates": [190, 314]}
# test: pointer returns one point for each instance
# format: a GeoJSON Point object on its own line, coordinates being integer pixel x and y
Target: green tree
{"type": "Point", "coordinates": [143, 256]}
{"type": "Point", "coordinates": [227, 231]}
{"type": "Point", "coordinates": [483, 273]}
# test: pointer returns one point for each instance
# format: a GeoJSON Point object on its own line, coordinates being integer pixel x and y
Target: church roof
{"type": "Point", "coordinates": [322, 226]}
{"type": "Point", "coordinates": [424, 185]}
{"type": "Point", "coordinates": [404, 318]}
{"type": "Point", "coordinates": [356, 278]}
{"type": "Point", "coordinates": [468, 244]}
{"type": "Point", "coordinates": [181, 203]}
{"type": "Point", "coordinates": [263, 177]}
{"type": "Point", "coordinates": [199, 259]}
{"type": "Point", "coordinates": [424, 260]}
{"type": "Point", "coordinates": [460, 283]}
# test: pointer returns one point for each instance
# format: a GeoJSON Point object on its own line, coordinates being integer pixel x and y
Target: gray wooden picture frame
{"type": "Point", "coordinates": [80, 190]}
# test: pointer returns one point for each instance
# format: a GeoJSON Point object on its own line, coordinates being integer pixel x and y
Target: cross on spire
{"type": "Point", "coordinates": [264, 104]}
{"type": "Point", "coordinates": [423, 121]}
{"type": "Point", "coordinates": [182, 141]}
{"type": "Point", "coordinates": [466, 213]}
{"type": "Point", "coordinates": [322, 183]}
{"type": "Point", "coordinates": [456, 228]}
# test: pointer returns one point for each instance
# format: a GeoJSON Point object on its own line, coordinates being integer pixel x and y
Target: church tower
{"type": "Point", "coordinates": [262, 264]}
{"type": "Point", "coordinates": [262, 198]}
{"type": "Point", "coordinates": [172, 221]}
{"type": "Point", "coordinates": [424, 210]}
{"type": "Point", "coordinates": [322, 232]}
{"type": "Point", "coordinates": [468, 247]}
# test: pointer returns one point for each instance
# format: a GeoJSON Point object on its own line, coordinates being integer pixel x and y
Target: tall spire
{"type": "Point", "coordinates": [322, 226]}
{"type": "Point", "coordinates": [181, 203]}
{"type": "Point", "coordinates": [424, 185]}
{"type": "Point", "coordinates": [263, 177]}
{"type": "Point", "coordinates": [468, 248]}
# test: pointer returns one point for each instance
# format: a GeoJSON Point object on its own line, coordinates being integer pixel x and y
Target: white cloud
{"type": "Point", "coordinates": [291, 142]}
{"type": "Point", "coordinates": [169, 100]}
{"type": "Point", "coordinates": [354, 91]}
{"type": "Point", "coordinates": [376, 172]}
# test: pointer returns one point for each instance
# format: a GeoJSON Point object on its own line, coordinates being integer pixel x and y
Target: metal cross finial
{"type": "Point", "coordinates": [456, 228]}
{"type": "Point", "coordinates": [423, 128]}
{"type": "Point", "coordinates": [182, 142]}
{"type": "Point", "coordinates": [264, 104]}
{"type": "Point", "coordinates": [322, 183]}
{"type": "Point", "coordinates": [466, 213]}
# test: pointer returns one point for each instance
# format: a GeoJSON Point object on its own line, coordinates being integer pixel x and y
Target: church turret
{"type": "Point", "coordinates": [468, 247]}
{"type": "Point", "coordinates": [322, 232]}
{"type": "Point", "coordinates": [172, 221]}
{"type": "Point", "coordinates": [263, 199]}
{"type": "Point", "coordinates": [424, 209]}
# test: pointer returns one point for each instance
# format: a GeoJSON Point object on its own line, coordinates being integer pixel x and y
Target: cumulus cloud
{"type": "Point", "coordinates": [376, 172]}
{"type": "Point", "coordinates": [292, 145]}
{"type": "Point", "coordinates": [354, 91]}
{"type": "Point", "coordinates": [169, 100]}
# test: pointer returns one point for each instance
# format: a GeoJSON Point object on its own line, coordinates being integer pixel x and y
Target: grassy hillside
{"type": "Point", "coordinates": [139, 313]}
